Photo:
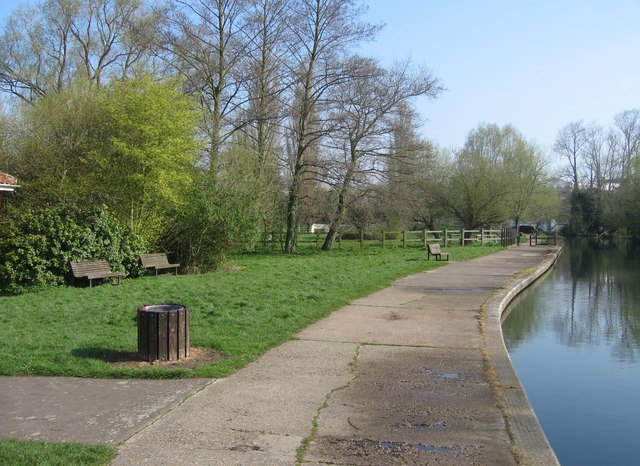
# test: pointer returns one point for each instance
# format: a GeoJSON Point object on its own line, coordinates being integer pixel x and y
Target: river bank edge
{"type": "Point", "coordinates": [530, 445]}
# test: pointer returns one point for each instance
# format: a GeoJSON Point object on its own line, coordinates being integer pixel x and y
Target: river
{"type": "Point", "coordinates": [574, 339]}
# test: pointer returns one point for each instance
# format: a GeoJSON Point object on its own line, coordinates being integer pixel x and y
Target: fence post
{"type": "Point", "coordinates": [424, 237]}
{"type": "Point", "coordinates": [404, 239]}
{"type": "Point", "coordinates": [446, 238]}
{"type": "Point", "coordinates": [481, 236]}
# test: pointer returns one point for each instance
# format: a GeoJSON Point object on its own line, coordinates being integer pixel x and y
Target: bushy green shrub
{"type": "Point", "coordinates": [36, 245]}
{"type": "Point", "coordinates": [202, 231]}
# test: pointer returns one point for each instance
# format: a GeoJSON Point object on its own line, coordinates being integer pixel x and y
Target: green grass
{"type": "Point", "coordinates": [68, 331]}
{"type": "Point", "coordinates": [29, 453]}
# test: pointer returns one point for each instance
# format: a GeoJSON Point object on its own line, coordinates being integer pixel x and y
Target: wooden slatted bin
{"type": "Point", "coordinates": [163, 332]}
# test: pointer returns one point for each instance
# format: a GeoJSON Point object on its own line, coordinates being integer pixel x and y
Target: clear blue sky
{"type": "Point", "coordinates": [535, 64]}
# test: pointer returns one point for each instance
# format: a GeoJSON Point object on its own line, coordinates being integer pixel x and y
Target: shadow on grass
{"type": "Point", "coordinates": [105, 354]}
{"type": "Point", "coordinates": [197, 357]}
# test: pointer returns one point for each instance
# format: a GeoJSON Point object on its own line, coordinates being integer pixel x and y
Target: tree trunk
{"type": "Point", "coordinates": [330, 238]}
{"type": "Point", "coordinates": [341, 207]}
{"type": "Point", "coordinates": [291, 238]}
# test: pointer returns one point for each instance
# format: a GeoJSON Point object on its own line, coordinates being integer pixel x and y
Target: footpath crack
{"type": "Point", "coordinates": [304, 444]}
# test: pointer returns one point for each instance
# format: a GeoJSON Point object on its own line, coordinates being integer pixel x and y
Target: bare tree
{"type": "Point", "coordinates": [568, 145]}
{"type": "Point", "coordinates": [266, 30]}
{"type": "Point", "coordinates": [366, 108]}
{"type": "Point", "coordinates": [202, 41]}
{"type": "Point", "coordinates": [321, 33]}
{"type": "Point", "coordinates": [628, 125]}
{"type": "Point", "coordinates": [45, 48]}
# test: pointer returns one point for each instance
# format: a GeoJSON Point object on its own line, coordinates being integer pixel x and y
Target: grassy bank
{"type": "Point", "coordinates": [259, 303]}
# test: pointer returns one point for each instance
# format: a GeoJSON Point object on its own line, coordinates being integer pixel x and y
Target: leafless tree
{"type": "Point", "coordinates": [265, 30]}
{"type": "Point", "coordinates": [45, 48]}
{"type": "Point", "coordinates": [203, 42]}
{"type": "Point", "coordinates": [322, 31]}
{"type": "Point", "coordinates": [365, 110]}
{"type": "Point", "coordinates": [627, 124]}
{"type": "Point", "coordinates": [569, 145]}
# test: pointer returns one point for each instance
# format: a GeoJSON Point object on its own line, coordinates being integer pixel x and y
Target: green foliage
{"type": "Point", "coordinates": [37, 244]}
{"type": "Point", "coordinates": [587, 215]}
{"type": "Point", "coordinates": [146, 159]}
{"type": "Point", "coordinates": [28, 453]}
{"type": "Point", "coordinates": [198, 234]}
{"type": "Point", "coordinates": [131, 146]}
{"type": "Point", "coordinates": [495, 177]}
{"type": "Point", "coordinates": [628, 204]}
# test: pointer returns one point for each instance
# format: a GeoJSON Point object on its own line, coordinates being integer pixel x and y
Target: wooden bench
{"type": "Point", "coordinates": [157, 261]}
{"type": "Point", "coordinates": [434, 250]}
{"type": "Point", "coordinates": [92, 270]}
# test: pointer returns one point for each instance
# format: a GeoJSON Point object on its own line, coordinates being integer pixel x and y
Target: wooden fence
{"type": "Point", "coordinates": [537, 239]}
{"type": "Point", "coordinates": [404, 238]}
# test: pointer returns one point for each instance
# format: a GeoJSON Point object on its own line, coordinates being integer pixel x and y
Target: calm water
{"type": "Point", "coordinates": [574, 339]}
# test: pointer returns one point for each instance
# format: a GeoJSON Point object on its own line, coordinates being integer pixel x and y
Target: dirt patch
{"type": "Point", "coordinates": [197, 357]}
{"type": "Point", "coordinates": [233, 268]}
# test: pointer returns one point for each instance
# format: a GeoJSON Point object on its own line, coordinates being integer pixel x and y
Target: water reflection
{"type": "Point", "coordinates": [591, 298]}
{"type": "Point", "coordinates": [574, 339]}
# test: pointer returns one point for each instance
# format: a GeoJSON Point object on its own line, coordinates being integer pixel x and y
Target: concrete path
{"type": "Point", "coordinates": [88, 411]}
{"type": "Point", "coordinates": [414, 374]}
{"type": "Point", "coordinates": [409, 375]}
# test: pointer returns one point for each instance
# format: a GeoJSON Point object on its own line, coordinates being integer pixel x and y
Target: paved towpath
{"type": "Point", "coordinates": [414, 374]}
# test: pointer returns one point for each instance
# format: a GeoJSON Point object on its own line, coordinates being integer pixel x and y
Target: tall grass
{"type": "Point", "coordinates": [241, 313]}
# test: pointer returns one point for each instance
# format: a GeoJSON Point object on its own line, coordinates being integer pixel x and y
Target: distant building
{"type": "Point", "coordinates": [319, 228]}
{"type": "Point", "coordinates": [8, 184]}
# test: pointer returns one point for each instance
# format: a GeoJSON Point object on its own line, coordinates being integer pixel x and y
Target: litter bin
{"type": "Point", "coordinates": [163, 332]}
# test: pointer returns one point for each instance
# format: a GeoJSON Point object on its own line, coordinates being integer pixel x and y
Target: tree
{"type": "Point", "coordinates": [202, 41]}
{"type": "Point", "coordinates": [569, 144]}
{"type": "Point", "coordinates": [147, 159]}
{"type": "Point", "coordinates": [627, 124]}
{"type": "Point", "coordinates": [477, 188]}
{"type": "Point", "coordinates": [321, 33]}
{"type": "Point", "coordinates": [130, 146]}
{"type": "Point", "coordinates": [413, 175]}
{"type": "Point", "coordinates": [495, 176]}
{"type": "Point", "coordinates": [524, 169]}
{"type": "Point", "coordinates": [367, 107]}
{"type": "Point", "coordinates": [46, 48]}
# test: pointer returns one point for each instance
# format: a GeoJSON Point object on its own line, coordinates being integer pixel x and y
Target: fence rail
{"type": "Point", "coordinates": [387, 238]}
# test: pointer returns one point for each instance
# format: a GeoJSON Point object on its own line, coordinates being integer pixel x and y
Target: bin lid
{"type": "Point", "coordinates": [161, 307]}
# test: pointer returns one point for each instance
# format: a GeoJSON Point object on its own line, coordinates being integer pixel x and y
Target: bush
{"type": "Point", "coordinates": [355, 235]}
{"type": "Point", "coordinates": [36, 245]}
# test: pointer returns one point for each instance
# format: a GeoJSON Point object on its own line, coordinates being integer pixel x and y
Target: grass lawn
{"type": "Point", "coordinates": [28, 453]}
{"type": "Point", "coordinates": [69, 331]}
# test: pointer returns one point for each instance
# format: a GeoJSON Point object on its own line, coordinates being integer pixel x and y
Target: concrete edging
{"type": "Point", "coordinates": [529, 442]}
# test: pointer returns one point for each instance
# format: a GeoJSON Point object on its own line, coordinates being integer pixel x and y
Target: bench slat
{"type": "Point", "coordinates": [157, 261]}
{"type": "Point", "coordinates": [434, 250]}
{"type": "Point", "coordinates": [93, 269]}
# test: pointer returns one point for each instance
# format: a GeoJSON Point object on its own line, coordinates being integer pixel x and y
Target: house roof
{"type": "Point", "coordinates": [8, 182]}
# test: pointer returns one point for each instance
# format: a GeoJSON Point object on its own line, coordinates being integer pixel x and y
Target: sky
{"type": "Point", "coordinates": [535, 64]}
